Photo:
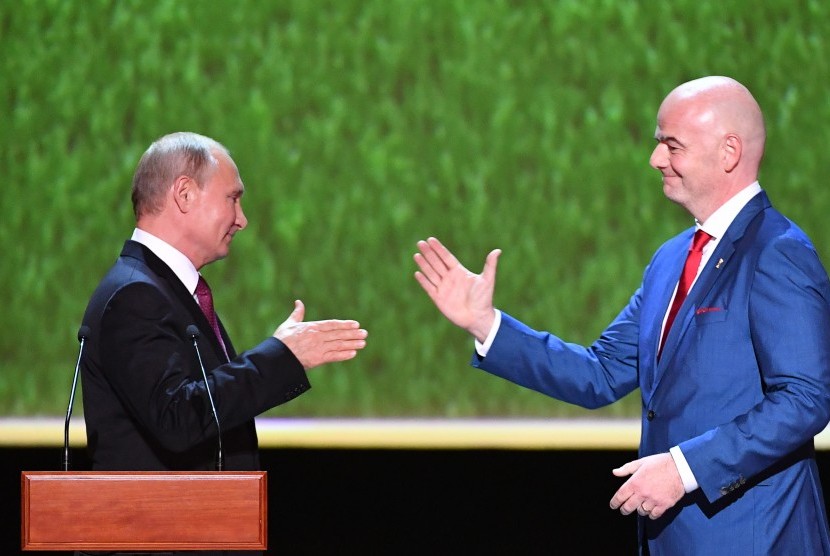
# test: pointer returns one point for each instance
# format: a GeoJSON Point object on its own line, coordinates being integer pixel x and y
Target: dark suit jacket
{"type": "Point", "coordinates": [144, 399]}
{"type": "Point", "coordinates": [742, 387]}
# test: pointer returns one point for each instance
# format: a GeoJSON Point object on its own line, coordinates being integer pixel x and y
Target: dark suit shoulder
{"type": "Point", "coordinates": [138, 298]}
{"type": "Point", "coordinates": [137, 280]}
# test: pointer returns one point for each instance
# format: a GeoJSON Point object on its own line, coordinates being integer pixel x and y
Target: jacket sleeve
{"type": "Point", "coordinates": [591, 377]}
{"type": "Point", "coordinates": [151, 364]}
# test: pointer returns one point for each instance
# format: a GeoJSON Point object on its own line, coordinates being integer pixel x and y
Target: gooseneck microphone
{"type": "Point", "coordinates": [83, 334]}
{"type": "Point", "coordinates": [193, 332]}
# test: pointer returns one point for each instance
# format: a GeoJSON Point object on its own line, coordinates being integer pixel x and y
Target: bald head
{"type": "Point", "coordinates": [725, 106]}
{"type": "Point", "coordinates": [710, 142]}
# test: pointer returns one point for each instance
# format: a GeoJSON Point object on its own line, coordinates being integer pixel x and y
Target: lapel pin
{"type": "Point", "coordinates": [720, 262]}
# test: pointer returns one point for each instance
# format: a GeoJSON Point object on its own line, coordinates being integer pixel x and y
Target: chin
{"type": "Point", "coordinates": [672, 194]}
{"type": "Point", "coordinates": [220, 254]}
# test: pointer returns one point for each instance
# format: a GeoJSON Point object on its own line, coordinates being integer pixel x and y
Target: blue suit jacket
{"type": "Point", "coordinates": [742, 386]}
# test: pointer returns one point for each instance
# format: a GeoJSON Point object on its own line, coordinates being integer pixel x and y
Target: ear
{"type": "Point", "coordinates": [732, 150]}
{"type": "Point", "coordinates": [184, 191]}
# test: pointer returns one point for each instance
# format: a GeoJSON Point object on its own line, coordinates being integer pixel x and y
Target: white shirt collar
{"type": "Point", "coordinates": [722, 218]}
{"type": "Point", "coordinates": [172, 257]}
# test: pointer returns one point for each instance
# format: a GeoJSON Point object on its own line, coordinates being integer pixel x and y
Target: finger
{"type": "Point", "coordinates": [298, 314]}
{"type": "Point", "coordinates": [622, 504]}
{"type": "Point", "coordinates": [342, 350]}
{"type": "Point", "coordinates": [335, 356]}
{"type": "Point", "coordinates": [490, 264]}
{"type": "Point", "coordinates": [627, 469]}
{"type": "Point", "coordinates": [334, 337]}
{"type": "Point", "coordinates": [334, 326]}
{"type": "Point", "coordinates": [444, 254]}
{"type": "Point", "coordinates": [350, 345]}
{"type": "Point", "coordinates": [339, 337]}
{"type": "Point", "coordinates": [629, 507]}
{"type": "Point", "coordinates": [435, 263]}
{"type": "Point", "coordinates": [425, 283]}
{"type": "Point", "coordinates": [627, 496]}
{"type": "Point", "coordinates": [427, 270]}
{"type": "Point", "coordinates": [618, 501]}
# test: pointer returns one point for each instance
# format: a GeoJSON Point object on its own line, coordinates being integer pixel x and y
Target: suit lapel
{"type": "Point", "coordinates": [668, 274]}
{"type": "Point", "coordinates": [708, 278]}
{"type": "Point", "coordinates": [141, 252]}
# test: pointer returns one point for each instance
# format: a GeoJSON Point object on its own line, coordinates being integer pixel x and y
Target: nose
{"type": "Point", "coordinates": [241, 220]}
{"type": "Point", "coordinates": [659, 156]}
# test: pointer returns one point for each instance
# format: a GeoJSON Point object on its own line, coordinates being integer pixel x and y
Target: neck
{"type": "Point", "coordinates": [173, 235]}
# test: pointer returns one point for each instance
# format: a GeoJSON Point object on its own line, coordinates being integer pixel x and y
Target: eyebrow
{"type": "Point", "coordinates": [667, 139]}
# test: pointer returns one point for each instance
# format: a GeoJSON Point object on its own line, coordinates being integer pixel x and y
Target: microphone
{"type": "Point", "coordinates": [83, 334]}
{"type": "Point", "coordinates": [193, 332]}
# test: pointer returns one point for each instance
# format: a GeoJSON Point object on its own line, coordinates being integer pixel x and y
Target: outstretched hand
{"type": "Point", "coordinates": [466, 299]}
{"type": "Point", "coordinates": [315, 343]}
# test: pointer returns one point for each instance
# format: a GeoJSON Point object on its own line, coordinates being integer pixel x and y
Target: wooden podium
{"type": "Point", "coordinates": [144, 510]}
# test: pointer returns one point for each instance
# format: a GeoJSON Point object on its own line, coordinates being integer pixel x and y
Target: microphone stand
{"type": "Point", "coordinates": [83, 333]}
{"type": "Point", "coordinates": [220, 458]}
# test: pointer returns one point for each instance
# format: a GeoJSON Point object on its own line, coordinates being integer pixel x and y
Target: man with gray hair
{"type": "Point", "coordinates": [146, 404]}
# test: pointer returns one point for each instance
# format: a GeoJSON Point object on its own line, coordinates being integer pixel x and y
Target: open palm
{"type": "Point", "coordinates": [465, 298]}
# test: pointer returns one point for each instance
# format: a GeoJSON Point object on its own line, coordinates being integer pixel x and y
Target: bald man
{"type": "Point", "coordinates": [727, 338]}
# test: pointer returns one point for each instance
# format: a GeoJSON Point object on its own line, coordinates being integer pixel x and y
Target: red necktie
{"type": "Point", "coordinates": [205, 297]}
{"type": "Point", "coordinates": [689, 273]}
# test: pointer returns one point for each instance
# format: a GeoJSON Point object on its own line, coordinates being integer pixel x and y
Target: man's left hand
{"type": "Point", "coordinates": [654, 486]}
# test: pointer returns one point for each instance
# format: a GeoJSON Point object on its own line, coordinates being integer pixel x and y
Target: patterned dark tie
{"type": "Point", "coordinates": [205, 297]}
{"type": "Point", "coordinates": [689, 273]}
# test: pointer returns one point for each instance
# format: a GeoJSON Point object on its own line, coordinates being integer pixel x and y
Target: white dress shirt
{"type": "Point", "coordinates": [172, 257]}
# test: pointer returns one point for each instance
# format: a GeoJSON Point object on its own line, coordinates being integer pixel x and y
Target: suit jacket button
{"type": "Point", "coordinates": [650, 415]}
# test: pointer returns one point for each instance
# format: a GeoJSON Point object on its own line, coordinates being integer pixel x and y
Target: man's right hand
{"type": "Point", "coordinates": [466, 299]}
{"type": "Point", "coordinates": [315, 343]}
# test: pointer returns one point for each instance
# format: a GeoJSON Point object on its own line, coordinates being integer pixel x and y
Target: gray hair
{"type": "Point", "coordinates": [171, 156]}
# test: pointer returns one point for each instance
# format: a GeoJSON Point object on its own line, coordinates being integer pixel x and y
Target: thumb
{"type": "Point", "coordinates": [298, 314]}
{"type": "Point", "coordinates": [627, 469]}
{"type": "Point", "coordinates": [489, 272]}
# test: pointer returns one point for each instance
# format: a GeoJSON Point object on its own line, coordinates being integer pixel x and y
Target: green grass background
{"type": "Point", "coordinates": [361, 127]}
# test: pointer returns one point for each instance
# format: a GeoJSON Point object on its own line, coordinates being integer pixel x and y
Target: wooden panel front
{"type": "Point", "coordinates": [144, 510]}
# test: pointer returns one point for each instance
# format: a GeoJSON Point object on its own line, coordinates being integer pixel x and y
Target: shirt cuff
{"type": "Point", "coordinates": [483, 348]}
{"type": "Point", "coordinates": [686, 475]}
